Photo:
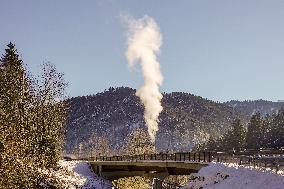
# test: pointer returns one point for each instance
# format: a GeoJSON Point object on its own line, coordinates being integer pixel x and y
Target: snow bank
{"type": "Point", "coordinates": [232, 176]}
{"type": "Point", "coordinates": [77, 175]}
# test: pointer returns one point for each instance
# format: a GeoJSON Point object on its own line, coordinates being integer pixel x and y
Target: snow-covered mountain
{"type": "Point", "coordinates": [251, 107]}
{"type": "Point", "coordinates": [186, 119]}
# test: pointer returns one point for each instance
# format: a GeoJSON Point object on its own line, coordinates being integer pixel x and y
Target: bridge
{"type": "Point", "coordinates": [153, 165]}
{"type": "Point", "coordinates": [161, 165]}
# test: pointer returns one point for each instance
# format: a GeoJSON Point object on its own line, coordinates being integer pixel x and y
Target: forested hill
{"type": "Point", "coordinates": [186, 120]}
{"type": "Point", "coordinates": [251, 107]}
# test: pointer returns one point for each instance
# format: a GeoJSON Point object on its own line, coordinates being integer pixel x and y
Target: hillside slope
{"type": "Point", "coordinates": [186, 120]}
{"type": "Point", "coordinates": [251, 107]}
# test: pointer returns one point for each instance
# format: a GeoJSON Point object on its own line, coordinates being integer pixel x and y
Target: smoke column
{"type": "Point", "coordinates": [143, 43]}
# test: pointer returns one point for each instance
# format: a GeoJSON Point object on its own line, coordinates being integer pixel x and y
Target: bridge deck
{"type": "Point", "coordinates": [156, 163]}
{"type": "Point", "coordinates": [150, 168]}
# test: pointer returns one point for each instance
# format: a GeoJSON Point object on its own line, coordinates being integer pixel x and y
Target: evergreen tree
{"type": "Point", "coordinates": [276, 134]}
{"type": "Point", "coordinates": [234, 139]}
{"type": "Point", "coordinates": [255, 132]}
{"type": "Point", "coordinates": [17, 163]}
{"type": "Point", "coordinates": [212, 144]}
{"type": "Point", "coordinates": [266, 130]}
{"type": "Point", "coordinates": [238, 135]}
{"type": "Point", "coordinates": [32, 116]}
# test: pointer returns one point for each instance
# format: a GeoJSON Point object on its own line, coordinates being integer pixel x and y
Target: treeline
{"type": "Point", "coordinates": [32, 116]}
{"type": "Point", "coordinates": [250, 107]}
{"type": "Point", "coordinates": [261, 132]}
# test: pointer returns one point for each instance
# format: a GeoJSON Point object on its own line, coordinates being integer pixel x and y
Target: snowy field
{"type": "Point", "coordinates": [78, 175]}
{"type": "Point", "coordinates": [232, 176]}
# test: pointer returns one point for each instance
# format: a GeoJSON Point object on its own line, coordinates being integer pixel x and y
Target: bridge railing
{"type": "Point", "coordinates": [265, 157]}
{"type": "Point", "coordinates": [273, 159]}
{"type": "Point", "coordinates": [180, 156]}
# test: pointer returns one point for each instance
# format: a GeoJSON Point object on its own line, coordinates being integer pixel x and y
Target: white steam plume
{"type": "Point", "coordinates": [144, 42]}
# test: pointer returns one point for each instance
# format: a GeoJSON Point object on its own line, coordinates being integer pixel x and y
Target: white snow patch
{"type": "Point", "coordinates": [233, 176]}
{"type": "Point", "coordinates": [77, 175]}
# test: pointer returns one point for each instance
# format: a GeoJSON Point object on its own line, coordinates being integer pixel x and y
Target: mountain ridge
{"type": "Point", "coordinates": [185, 122]}
{"type": "Point", "coordinates": [251, 107]}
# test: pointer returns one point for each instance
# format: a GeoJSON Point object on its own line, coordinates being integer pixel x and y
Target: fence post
{"type": "Point", "coordinates": [198, 156]}
{"type": "Point", "coordinates": [194, 156]}
{"type": "Point", "coordinates": [189, 156]}
{"type": "Point", "coordinates": [155, 183]}
{"type": "Point", "coordinates": [204, 157]}
{"type": "Point", "coordinates": [175, 156]}
{"type": "Point", "coordinates": [209, 156]}
{"type": "Point", "coordinates": [160, 184]}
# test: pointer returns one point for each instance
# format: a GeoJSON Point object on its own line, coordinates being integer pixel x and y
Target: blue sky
{"type": "Point", "coordinates": [217, 49]}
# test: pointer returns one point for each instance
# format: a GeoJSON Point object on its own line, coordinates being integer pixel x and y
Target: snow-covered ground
{"type": "Point", "coordinates": [78, 175]}
{"type": "Point", "coordinates": [232, 176]}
